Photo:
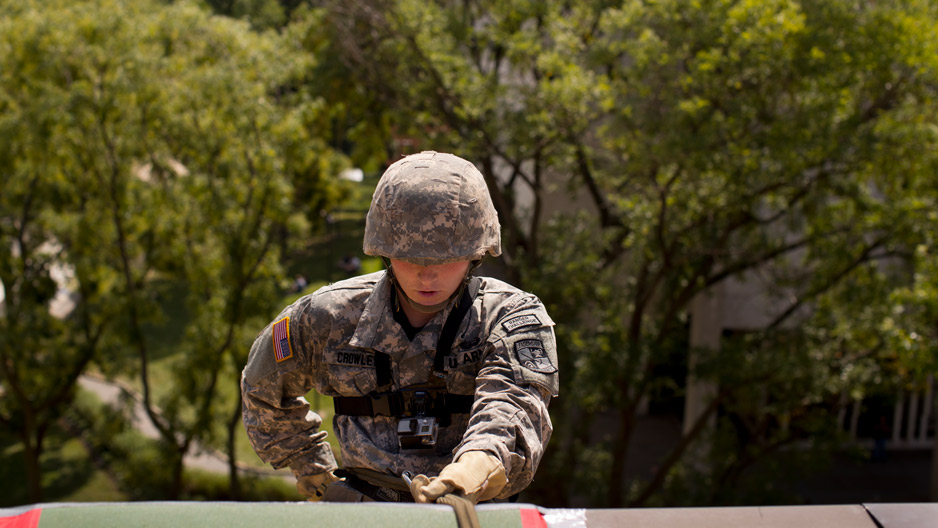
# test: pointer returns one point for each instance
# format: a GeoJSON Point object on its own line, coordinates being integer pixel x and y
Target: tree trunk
{"type": "Point", "coordinates": [620, 452]}
{"type": "Point", "coordinates": [700, 425]}
{"type": "Point", "coordinates": [175, 486]}
{"type": "Point", "coordinates": [31, 454]}
{"type": "Point", "coordinates": [234, 482]}
{"type": "Point", "coordinates": [934, 469]}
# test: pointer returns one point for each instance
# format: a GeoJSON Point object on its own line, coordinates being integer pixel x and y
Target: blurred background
{"type": "Point", "coordinates": [728, 207]}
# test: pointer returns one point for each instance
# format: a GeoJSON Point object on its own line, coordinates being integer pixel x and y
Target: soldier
{"type": "Point", "coordinates": [433, 372]}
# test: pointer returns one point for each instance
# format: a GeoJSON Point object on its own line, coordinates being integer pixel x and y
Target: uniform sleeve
{"type": "Point", "coordinates": [509, 417]}
{"type": "Point", "coordinates": [279, 423]}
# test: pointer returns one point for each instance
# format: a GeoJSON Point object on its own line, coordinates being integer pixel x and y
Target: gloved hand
{"type": "Point", "coordinates": [477, 474]}
{"type": "Point", "coordinates": [313, 486]}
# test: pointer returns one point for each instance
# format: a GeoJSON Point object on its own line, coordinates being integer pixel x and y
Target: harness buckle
{"type": "Point", "coordinates": [419, 405]}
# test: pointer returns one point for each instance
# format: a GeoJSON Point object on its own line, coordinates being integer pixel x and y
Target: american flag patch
{"type": "Point", "coordinates": [282, 348]}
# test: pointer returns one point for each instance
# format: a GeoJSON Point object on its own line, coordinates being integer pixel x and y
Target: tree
{"type": "Point", "coordinates": [41, 355]}
{"type": "Point", "coordinates": [744, 138]}
{"type": "Point", "coordinates": [188, 180]}
{"type": "Point", "coordinates": [709, 140]}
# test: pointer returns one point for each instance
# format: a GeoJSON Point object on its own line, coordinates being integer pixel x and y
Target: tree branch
{"type": "Point", "coordinates": [813, 293]}
{"type": "Point", "coordinates": [678, 451]}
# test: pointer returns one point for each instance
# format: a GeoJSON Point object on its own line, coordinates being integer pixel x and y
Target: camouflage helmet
{"type": "Point", "coordinates": [432, 208]}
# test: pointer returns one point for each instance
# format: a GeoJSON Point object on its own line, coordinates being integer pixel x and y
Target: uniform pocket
{"type": "Point", "coordinates": [462, 367]}
{"type": "Point", "coordinates": [351, 371]}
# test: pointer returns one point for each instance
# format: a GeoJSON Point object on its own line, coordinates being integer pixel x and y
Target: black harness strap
{"type": "Point", "coordinates": [384, 403]}
{"type": "Point", "coordinates": [393, 404]}
{"type": "Point", "coordinates": [382, 370]}
{"type": "Point", "coordinates": [448, 334]}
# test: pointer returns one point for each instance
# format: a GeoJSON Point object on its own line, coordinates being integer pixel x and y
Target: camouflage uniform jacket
{"type": "Point", "coordinates": [504, 354]}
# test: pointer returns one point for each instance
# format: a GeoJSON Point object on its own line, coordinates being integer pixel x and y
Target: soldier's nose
{"type": "Point", "coordinates": [426, 273]}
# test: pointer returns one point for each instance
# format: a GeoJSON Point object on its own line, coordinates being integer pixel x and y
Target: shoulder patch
{"type": "Point", "coordinates": [283, 350]}
{"type": "Point", "coordinates": [531, 355]}
{"type": "Point", "coordinates": [520, 322]}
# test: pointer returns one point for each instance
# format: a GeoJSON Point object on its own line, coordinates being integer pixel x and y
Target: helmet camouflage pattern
{"type": "Point", "coordinates": [432, 208]}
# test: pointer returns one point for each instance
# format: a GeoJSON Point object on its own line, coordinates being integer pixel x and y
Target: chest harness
{"type": "Point", "coordinates": [421, 409]}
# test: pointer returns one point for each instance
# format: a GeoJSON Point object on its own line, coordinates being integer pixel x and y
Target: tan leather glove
{"type": "Point", "coordinates": [313, 486]}
{"type": "Point", "coordinates": [478, 475]}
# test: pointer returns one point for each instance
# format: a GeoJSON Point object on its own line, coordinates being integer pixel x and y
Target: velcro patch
{"type": "Point", "coordinates": [531, 355]}
{"type": "Point", "coordinates": [283, 350]}
{"type": "Point", "coordinates": [520, 322]}
{"type": "Point", "coordinates": [461, 359]}
{"type": "Point", "coordinates": [351, 358]}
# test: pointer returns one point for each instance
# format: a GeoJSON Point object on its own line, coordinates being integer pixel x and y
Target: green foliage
{"type": "Point", "coordinates": [149, 141]}
{"type": "Point", "coordinates": [711, 140]}
{"type": "Point", "coordinates": [691, 144]}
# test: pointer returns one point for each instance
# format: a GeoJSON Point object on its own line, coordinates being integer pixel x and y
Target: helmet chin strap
{"type": "Point", "coordinates": [431, 308]}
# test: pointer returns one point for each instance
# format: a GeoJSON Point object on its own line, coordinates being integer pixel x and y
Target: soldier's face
{"type": "Point", "coordinates": [429, 285]}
